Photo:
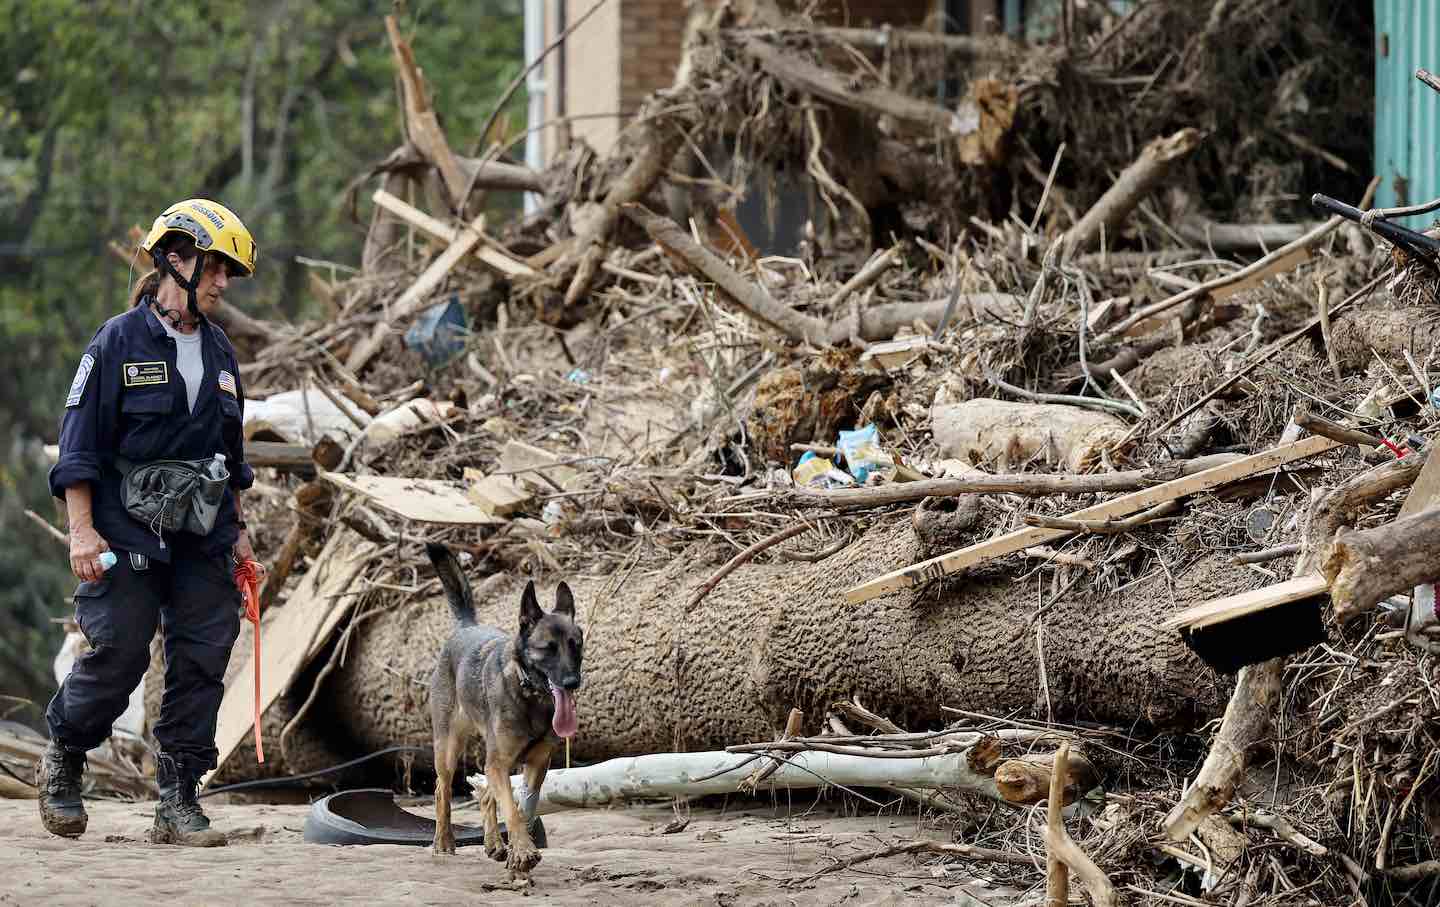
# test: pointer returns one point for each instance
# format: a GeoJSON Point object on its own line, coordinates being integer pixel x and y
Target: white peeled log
{"type": "Point", "coordinates": [1010, 434]}
{"type": "Point", "coordinates": [664, 775]}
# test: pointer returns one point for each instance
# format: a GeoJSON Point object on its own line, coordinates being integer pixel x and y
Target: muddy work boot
{"type": "Point", "coordinates": [178, 817]}
{"type": "Point", "coordinates": [58, 777]}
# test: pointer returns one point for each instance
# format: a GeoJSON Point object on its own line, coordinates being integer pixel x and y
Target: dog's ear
{"type": "Point", "coordinates": [530, 613]}
{"type": "Point", "coordinates": [564, 601]}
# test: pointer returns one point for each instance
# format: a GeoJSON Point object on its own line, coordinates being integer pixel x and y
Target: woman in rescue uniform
{"type": "Point", "coordinates": [158, 382]}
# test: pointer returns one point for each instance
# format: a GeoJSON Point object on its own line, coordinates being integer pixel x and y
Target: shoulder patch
{"type": "Point", "coordinates": [82, 377]}
{"type": "Point", "coordinates": [227, 383]}
{"type": "Point", "coordinates": [139, 374]}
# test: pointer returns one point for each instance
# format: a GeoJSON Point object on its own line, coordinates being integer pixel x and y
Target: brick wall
{"type": "Point", "coordinates": [651, 35]}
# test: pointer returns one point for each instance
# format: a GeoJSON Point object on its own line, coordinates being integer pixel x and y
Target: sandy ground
{"type": "Point", "coordinates": [739, 856]}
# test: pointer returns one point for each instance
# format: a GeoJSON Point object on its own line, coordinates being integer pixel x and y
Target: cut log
{"type": "Point", "coordinates": [1026, 780]}
{"type": "Point", "coordinates": [778, 635]}
{"type": "Point", "coordinates": [667, 775]}
{"type": "Point", "coordinates": [1136, 182]}
{"type": "Point", "coordinates": [1369, 566]}
{"type": "Point", "coordinates": [294, 458]}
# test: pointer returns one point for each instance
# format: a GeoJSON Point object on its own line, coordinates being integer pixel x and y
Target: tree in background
{"type": "Point", "coordinates": [109, 111]}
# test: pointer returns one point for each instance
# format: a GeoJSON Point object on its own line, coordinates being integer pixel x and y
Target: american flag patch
{"type": "Point", "coordinates": [227, 383]}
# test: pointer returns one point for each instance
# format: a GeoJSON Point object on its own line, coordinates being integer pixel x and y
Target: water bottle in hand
{"type": "Point", "coordinates": [108, 560]}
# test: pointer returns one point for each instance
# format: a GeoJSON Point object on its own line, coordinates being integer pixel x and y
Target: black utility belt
{"type": "Point", "coordinates": [173, 495]}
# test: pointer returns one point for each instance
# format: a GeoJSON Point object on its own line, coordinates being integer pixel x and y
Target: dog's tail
{"type": "Point", "coordinates": [457, 588]}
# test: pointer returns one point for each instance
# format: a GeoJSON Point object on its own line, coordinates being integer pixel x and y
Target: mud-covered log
{"type": "Point", "coordinates": [777, 636]}
{"type": "Point", "coordinates": [1361, 334]}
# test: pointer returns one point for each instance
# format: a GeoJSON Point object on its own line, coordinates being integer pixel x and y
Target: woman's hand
{"type": "Point", "coordinates": [86, 546]}
{"type": "Point", "coordinates": [244, 551]}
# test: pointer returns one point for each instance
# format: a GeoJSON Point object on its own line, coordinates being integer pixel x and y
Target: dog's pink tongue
{"type": "Point", "coordinates": [565, 722]}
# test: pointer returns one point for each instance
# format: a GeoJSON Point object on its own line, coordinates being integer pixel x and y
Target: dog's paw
{"type": "Point", "coordinates": [522, 859]}
{"type": "Point", "coordinates": [497, 851]}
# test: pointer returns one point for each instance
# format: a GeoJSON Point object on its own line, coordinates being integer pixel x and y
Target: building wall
{"type": "Point", "coordinates": [582, 78]}
{"type": "Point", "coordinates": [630, 48]}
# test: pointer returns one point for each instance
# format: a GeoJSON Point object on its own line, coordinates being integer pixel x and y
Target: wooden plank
{"type": "Point", "coordinates": [1219, 609]}
{"type": "Point", "coordinates": [1125, 505]}
{"type": "Point", "coordinates": [421, 500]}
{"type": "Point", "coordinates": [527, 462]}
{"type": "Point", "coordinates": [496, 495]}
{"type": "Point", "coordinates": [292, 635]}
{"type": "Point", "coordinates": [1425, 489]}
{"type": "Point", "coordinates": [505, 264]}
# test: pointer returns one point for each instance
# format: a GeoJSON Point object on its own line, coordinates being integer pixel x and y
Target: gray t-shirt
{"type": "Point", "coordinates": [188, 361]}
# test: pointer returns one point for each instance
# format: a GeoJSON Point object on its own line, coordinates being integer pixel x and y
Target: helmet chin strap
{"type": "Point", "coordinates": [162, 261]}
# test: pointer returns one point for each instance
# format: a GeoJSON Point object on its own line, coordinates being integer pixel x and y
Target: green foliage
{"type": "Point", "coordinates": [111, 110]}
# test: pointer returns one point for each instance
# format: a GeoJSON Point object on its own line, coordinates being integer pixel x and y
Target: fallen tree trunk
{"type": "Point", "coordinates": [1366, 567]}
{"type": "Point", "coordinates": [665, 775]}
{"type": "Point", "coordinates": [779, 635]}
{"type": "Point", "coordinates": [1222, 238]}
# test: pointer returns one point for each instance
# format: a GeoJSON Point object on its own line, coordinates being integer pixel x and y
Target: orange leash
{"type": "Point", "coordinates": [247, 580]}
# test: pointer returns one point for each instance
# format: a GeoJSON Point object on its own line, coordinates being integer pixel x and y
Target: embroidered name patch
{"type": "Point", "coordinates": [139, 374]}
{"type": "Point", "coordinates": [82, 377]}
{"type": "Point", "coordinates": [227, 383]}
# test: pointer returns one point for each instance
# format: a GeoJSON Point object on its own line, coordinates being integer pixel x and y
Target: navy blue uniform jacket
{"type": "Point", "coordinates": [128, 400]}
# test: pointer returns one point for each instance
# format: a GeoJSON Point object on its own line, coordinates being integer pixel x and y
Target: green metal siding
{"type": "Point", "coordinates": [1407, 112]}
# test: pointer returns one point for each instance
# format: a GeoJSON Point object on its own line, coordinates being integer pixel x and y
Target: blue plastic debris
{"type": "Point", "coordinates": [439, 333]}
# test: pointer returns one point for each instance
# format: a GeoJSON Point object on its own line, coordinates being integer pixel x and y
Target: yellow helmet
{"type": "Point", "coordinates": [214, 227]}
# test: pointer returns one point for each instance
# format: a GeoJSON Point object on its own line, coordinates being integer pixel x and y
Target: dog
{"type": "Point", "coordinates": [517, 692]}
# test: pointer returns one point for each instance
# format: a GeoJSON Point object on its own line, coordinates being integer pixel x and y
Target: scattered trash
{"type": "Point", "coordinates": [861, 452]}
{"type": "Point", "coordinates": [439, 333]}
{"type": "Point", "coordinates": [578, 376]}
{"type": "Point", "coordinates": [819, 472]}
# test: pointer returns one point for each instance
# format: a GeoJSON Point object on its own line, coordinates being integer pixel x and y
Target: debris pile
{"type": "Point", "coordinates": [1098, 387]}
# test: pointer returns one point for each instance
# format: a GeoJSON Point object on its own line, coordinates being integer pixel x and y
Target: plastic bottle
{"type": "Point", "coordinates": [216, 469]}
{"type": "Point", "coordinates": [108, 560]}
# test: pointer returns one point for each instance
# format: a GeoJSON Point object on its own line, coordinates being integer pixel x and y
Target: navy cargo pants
{"type": "Point", "coordinates": [195, 600]}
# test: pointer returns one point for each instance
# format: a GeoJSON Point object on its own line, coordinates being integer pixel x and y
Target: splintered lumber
{"type": "Point", "coordinates": [293, 635]}
{"type": "Point", "coordinates": [1218, 610]}
{"type": "Point", "coordinates": [424, 126]}
{"type": "Point", "coordinates": [666, 775]}
{"type": "Point", "coordinates": [1125, 505]}
{"type": "Point", "coordinates": [433, 226]}
{"type": "Point", "coordinates": [1028, 780]}
{"type": "Point", "coordinates": [421, 500]}
{"type": "Point", "coordinates": [418, 293]}
{"type": "Point", "coordinates": [1138, 180]}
